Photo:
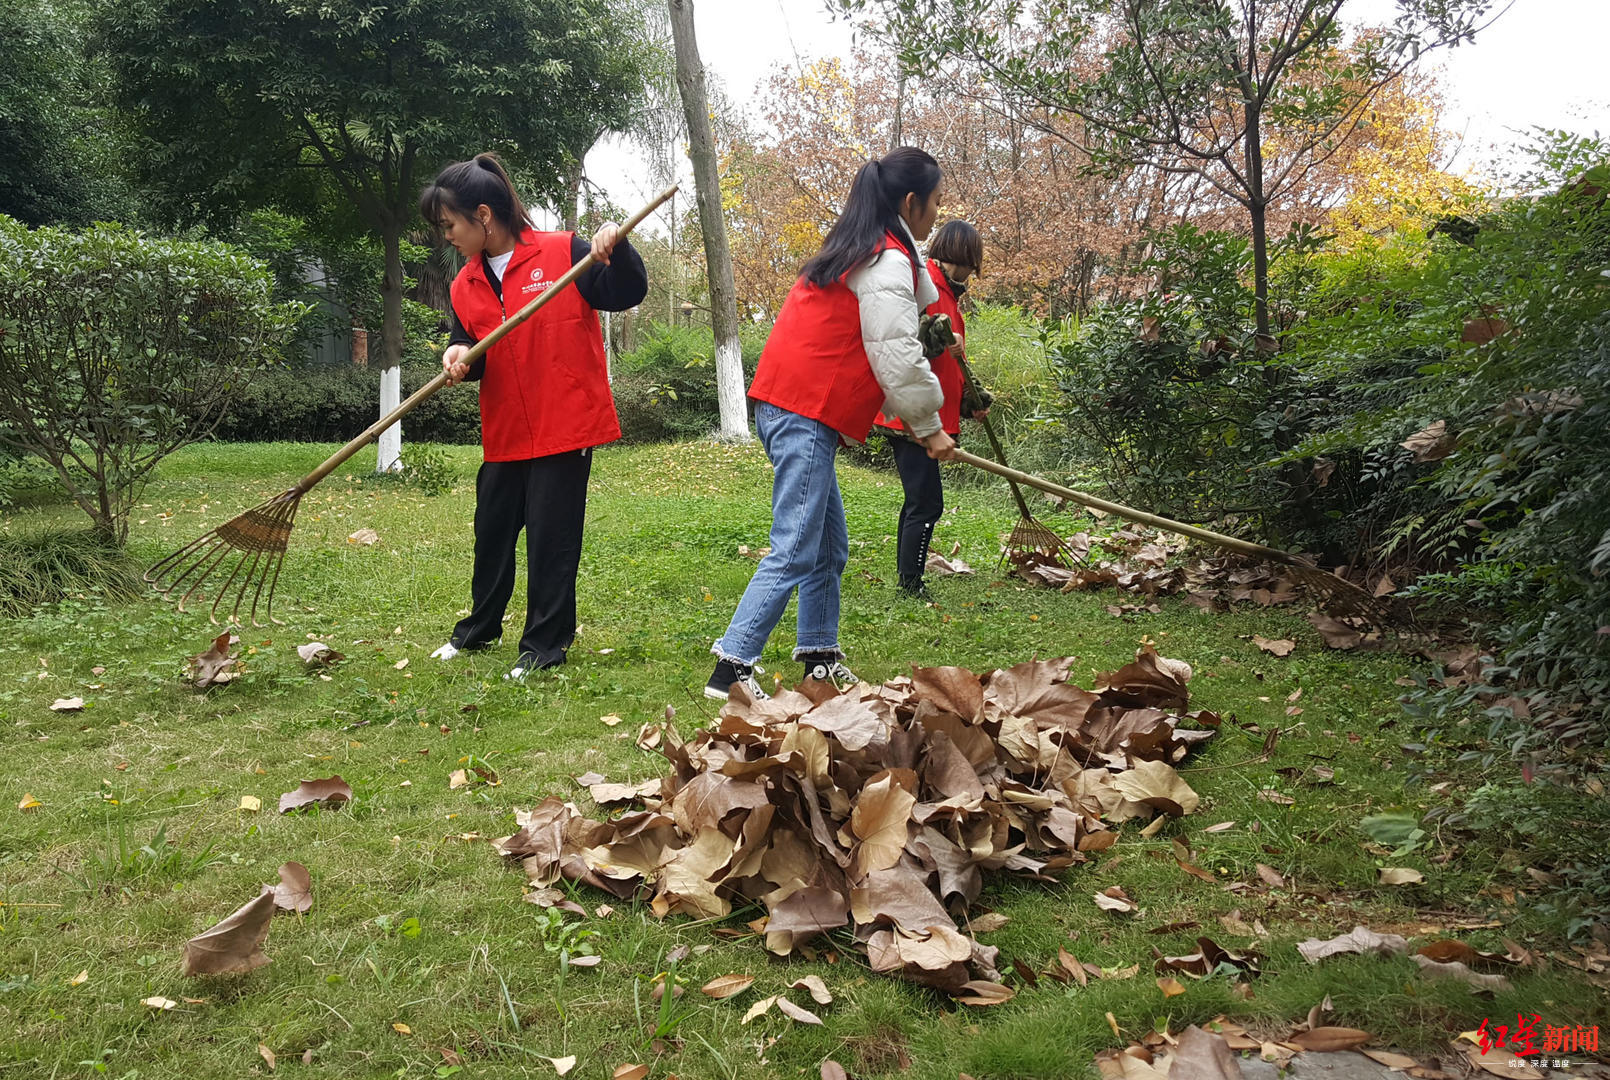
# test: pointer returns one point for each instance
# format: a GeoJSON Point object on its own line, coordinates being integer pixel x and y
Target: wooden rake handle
{"type": "Point", "coordinates": [1231, 543]}
{"type": "Point", "coordinates": [418, 397]}
{"type": "Point", "coordinates": [994, 439]}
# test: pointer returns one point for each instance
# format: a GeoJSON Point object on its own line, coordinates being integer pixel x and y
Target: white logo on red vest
{"type": "Point", "coordinates": [539, 281]}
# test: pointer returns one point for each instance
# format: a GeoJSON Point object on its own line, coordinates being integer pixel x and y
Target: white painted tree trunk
{"type": "Point", "coordinates": [390, 443]}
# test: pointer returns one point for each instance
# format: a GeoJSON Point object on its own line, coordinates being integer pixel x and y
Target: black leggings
{"type": "Point", "coordinates": [547, 497]}
{"type": "Point", "coordinates": [925, 502]}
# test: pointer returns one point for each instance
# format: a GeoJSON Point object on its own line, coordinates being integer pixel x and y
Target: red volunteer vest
{"type": "Point", "coordinates": [944, 365]}
{"type": "Point", "coordinates": [815, 363]}
{"type": "Point", "coordinates": [546, 386]}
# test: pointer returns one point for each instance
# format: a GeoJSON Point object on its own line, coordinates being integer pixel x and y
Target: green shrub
{"type": "Point", "coordinates": [665, 389]}
{"type": "Point", "coordinates": [117, 348]}
{"type": "Point", "coordinates": [41, 569]}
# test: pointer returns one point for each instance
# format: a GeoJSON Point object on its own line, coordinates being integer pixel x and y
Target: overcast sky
{"type": "Point", "coordinates": [1542, 63]}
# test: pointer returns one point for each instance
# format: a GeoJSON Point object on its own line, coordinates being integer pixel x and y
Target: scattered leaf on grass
{"type": "Point", "coordinates": [984, 992]}
{"type": "Point", "coordinates": [366, 537]}
{"type": "Point", "coordinates": [797, 1012]}
{"type": "Point", "coordinates": [251, 803]}
{"type": "Point", "coordinates": [1170, 986]}
{"type": "Point", "coordinates": [726, 986]}
{"type": "Point", "coordinates": [29, 802]}
{"type": "Point", "coordinates": [814, 984]}
{"type": "Point", "coordinates": [1115, 899]}
{"type": "Point", "coordinates": [1073, 967]}
{"type": "Point", "coordinates": [268, 1055]}
{"type": "Point", "coordinates": [1278, 647]}
{"type": "Point", "coordinates": [1156, 784]}
{"type": "Point", "coordinates": [988, 922]}
{"type": "Point", "coordinates": [161, 1004]}
{"type": "Point", "coordinates": [1400, 875]}
{"type": "Point", "coordinates": [609, 721]}
{"type": "Point", "coordinates": [563, 1065]}
{"type": "Point", "coordinates": [1220, 827]}
{"type": "Point", "coordinates": [1203, 1055]}
{"type": "Point", "coordinates": [1389, 1059]}
{"type": "Point", "coordinates": [629, 1072]}
{"type": "Point", "coordinates": [329, 792]}
{"type": "Point", "coordinates": [234, 945]}
{"type": "Point", "coordinates": [1360, 939]}
{"type": "Point", "coordinates": [399, 665]}
{"type": "Point", "coordinates": [295, 889]}
{"type": "Point", "coordinates": [67, 704]}
{"type": "Point", "coordinates": [1271, 876]}
{"type": "Point", "coordinates": [1335, 633]}
{"type": "Point", "coordinates": [832, 1070]}
{"type": "Point", "coordinates": [318, 654]}
{"type": "Point", "coordinates": [760, 1008]}
{"type": "Point", "coordinates": [1270, 795]}
{"type": "Point", "coordinates": [1455, 969]}
{"type": "Point", "coordinates": [215, 666]}
{"type": "Point", "coordinates": [588, 961]}
{"type": "Point", "coordinates": [80, 979]}
{"type": "Point", "coordinates": [1330, 1038]}
{"type": "Point", "coordinates": [402, 1029]}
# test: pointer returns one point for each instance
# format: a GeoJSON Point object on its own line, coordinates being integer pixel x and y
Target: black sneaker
{"type": "Point", "coordinates": [827, 667]}
{"type": "Point", "coordinates": [728, 674]}
{"type": "Point", "coordinates": [915, 588]}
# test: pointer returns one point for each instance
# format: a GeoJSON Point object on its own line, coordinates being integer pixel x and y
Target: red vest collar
{"type": "Point", "coordinates": [525, 249]}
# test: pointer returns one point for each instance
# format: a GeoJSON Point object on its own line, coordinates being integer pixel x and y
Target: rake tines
{"type": "Point", "coordinates": [1031, 537]}
{"type": "Point", "coordinates": [254, 541]}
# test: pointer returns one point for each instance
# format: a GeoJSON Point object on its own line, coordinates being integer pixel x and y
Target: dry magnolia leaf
{"type": "Point", "coordinates": [234, 945]}
{"type": "Point", "coordinates": [295, 889]}
{"type": "Point", "coordinates": [67, 704]}
{"type": "Point", "coordinates": [1156, 784]}
{"type": "Point", "coordinates": [1114, 899]}
{"type": "Point", "coordinates": [1360, 940]}
{"type": "Point", "coordinates": [796, 1012]}
{"type": "Point", "coordinates": [1456, 969]}
{"type": "Point", "coordinates": [1170, 986]}
{"type": "Point", "coordinates": [629, 1072]}
{"type": "Point", "coordinates": [818, 989]}
{"type": "Point", "coordinates": [1330, 1038]}
{"type": "Point", "coordinates": [330, 792]}
{"type": "Point", "coordinates": [759, 1008]}
{"type": "Point", "coordinates": [161, 1004]}
{"type": "Point", "coordinates": [251, 803]}
{"type": "Point", "coordinates": [1335, 633]}
{"type": "Point", "coordinates": [267, 1055]}
{"type": "Point", "coordinates": [1204, 1055]}
{"type": "Point", "coordinates": [215, 666]}
{"type": "Point", "coordinates": [28, 802]}
{"type": "Point", "coordinates": [562, 1065]}
{"type": "Point", "coordinates": [1277, 647]}
{"type": "Point", "coordinates": [609, 721]}
{"type": "Point", "coordinates": [984, 992]}
{"type": "Point", "coordinates": [80, 979]}
{"type": "Point", "coordinates": [726, 986]}
{"type": "Point", "coordinates": [832, 1070]}
{"type": "Point", "coordinates": [1400, 1062]}
{"type": "Point", "coordinates": [366, 537]}
{"type": "Point", "coordinates": [1399, 875]}
{"type": "Point", "coordinates": [986, 923]}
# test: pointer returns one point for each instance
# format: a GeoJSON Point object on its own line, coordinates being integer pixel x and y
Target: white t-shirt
{"type": "Point", "coordinates": [500, 263]}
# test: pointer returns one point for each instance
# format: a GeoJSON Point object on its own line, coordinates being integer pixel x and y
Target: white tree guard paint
{"type": "Point", "coordinates": [390, 442]}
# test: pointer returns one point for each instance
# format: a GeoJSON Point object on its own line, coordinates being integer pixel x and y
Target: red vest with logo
{"type": "Point", "coordinates": [546, 386]}
{"type": "Point", "coordinates": [815, 363]}
{"type": "Point", "coordinates": [944, 365]}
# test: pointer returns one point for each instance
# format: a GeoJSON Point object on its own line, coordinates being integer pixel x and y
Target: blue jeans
{"type": "Point", "coordinates": [810, 542]}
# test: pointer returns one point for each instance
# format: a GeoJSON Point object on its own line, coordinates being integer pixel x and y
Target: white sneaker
{"type": "Point", "coordinates": [446, 652]}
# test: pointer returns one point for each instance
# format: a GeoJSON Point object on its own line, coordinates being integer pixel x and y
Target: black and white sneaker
{"type": "Point", "coordinates": [728, 674]}
{"type": "Point", "coordinates": [526, 664]}
{"type": "Point", "coordinates": [826, 667]}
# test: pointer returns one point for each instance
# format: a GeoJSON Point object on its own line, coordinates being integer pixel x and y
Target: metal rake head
{"type": "Point", "coordinates": [249, 547]}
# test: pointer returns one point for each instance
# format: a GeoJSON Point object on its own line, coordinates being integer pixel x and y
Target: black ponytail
{"type": "Point", "coordinates": [465, 185]}
{"type": "Point", "coordinates": [873, 209]}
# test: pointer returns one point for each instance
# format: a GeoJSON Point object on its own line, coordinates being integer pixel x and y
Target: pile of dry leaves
{"type": "Point", "coordinates": [881, 809]}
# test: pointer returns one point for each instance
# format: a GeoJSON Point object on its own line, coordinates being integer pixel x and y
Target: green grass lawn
{"type": "Point", "coordinates": [140, 843]}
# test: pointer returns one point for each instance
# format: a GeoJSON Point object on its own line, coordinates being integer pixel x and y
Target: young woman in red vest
{"type": "Point", "coordinates": [954, 255]}
{"type": "Point", "coordinates": [843, 347]}
{"type": "Point", "coordinates": [545, 398]}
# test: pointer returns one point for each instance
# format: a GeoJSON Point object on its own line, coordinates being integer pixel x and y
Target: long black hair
{"type": "Point", "coordinates": [872, 210]}
{"type": "Point", "coordinates": [465, 185]}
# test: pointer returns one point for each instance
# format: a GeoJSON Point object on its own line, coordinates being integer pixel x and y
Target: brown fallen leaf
{"type": "Point", "coordinates": [1359, 940]}
{"type": "Point", "coordinates": [364, 537]}
{"type": "Point", "coordinates": [759, 1008]}
{"type": "Point", "coordinates": [1330, 1038]}
{"type": "Point", "coordinates": [1399, 875]}
{"type": "Point", "coordinates": [251, 804]}
{"type": "Point", "coordinates": [832, 1070]}
{"type": "Point", "coordinates": [1431, 443]}
{"type": "Point", "coordinates": [1270, 795]}
{"type": "Point", "coordinates": [1335, 633]}
{"type": "Point", "coordinates": [1454, 969]}
{"type": "Point", "coordinates": [562, 1065]}
{"type": "Point", "coordinates": [1115, 899]}
{"type": "Point", "coordinates": [80, 979]}
{"type": "Point", "coordinates": [1073, 967]}
{"type": "Point", "coordinates": [1203, 1055]}
{"type": "Point", "coordinates": [1156, 784]}
{"type": "Point", "coordinates": [726, 986]}
{"type": "Point", "coordinates": [267, 1055]}
{"type": "Point", "coordinates": [330, 793]}
{"type": "Point", "coordinates": [295, 889]}
{"type": "Point", "coordinates": [1277, 647]}
{"type": "Point", "coordinates": [1401, 1062]}
{"type": "Point", "coordinates": [234, 945]}
{"type": "Point", "coordinates": [67, 704]}
{"type": "Point", "coordinates": [984, 992]}
{"type": "Point", "coordinates": [988, 922]}
{"type": "Point", "coordinates": [161, 1004]}
{"type": "Point", "coordinates": [815, 986]}
{"type": "Point", "coordinates": [28, 802]}
{"type": "Point", "coordinates": [1170, 986]}
{"type": "Point", "coordinates": [215, 666]}
{"type": "Point", "coordinates": [1222, 826]}
{"type": "Point", "coordinates": [796, 1012]}
{"type": "Point", "coordinates": [1271, 876]}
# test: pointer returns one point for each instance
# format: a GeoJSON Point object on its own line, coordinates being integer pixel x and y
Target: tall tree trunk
{"type": "Point", "coordinates": [1257, 205]}
{"type": "Point", "coordinates": [898, 133]}
{"type": "Point", "coordinates": [391, 346]}
{"type": "Point", "coordinates": [717, 255]}
{"type": "Point", "coordinates": [572, 178]}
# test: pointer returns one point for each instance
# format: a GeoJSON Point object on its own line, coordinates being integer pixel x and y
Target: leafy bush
{"type": "Point", "coordinates": [665, 389]}
{"type": "Point", "coordinates": [117, 349]}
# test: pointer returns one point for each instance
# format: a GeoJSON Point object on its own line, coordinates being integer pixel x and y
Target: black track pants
{"type": "Point", "coordinates": [547, 497]}
{"type": "Point", "coordinates": [925, 502]}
